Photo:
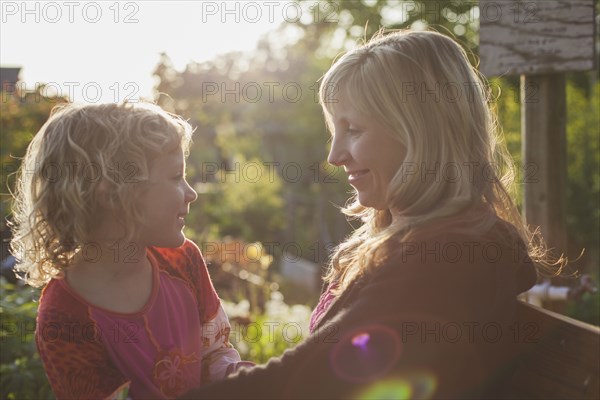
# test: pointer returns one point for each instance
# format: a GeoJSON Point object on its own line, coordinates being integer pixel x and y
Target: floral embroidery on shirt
{"type": "Point", "coordinates": [224, 333]}
{"type": "Point", "coordinates": [169, 372]}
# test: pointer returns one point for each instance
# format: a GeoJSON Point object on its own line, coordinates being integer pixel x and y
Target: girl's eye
{"type": "Point", "coordinates": [353, 131]}
{"type": "Point", "coordinates": [179, 177]}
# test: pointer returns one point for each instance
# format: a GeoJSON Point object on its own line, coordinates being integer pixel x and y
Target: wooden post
{"type": "Point", "coordinates": [544, 149]}
{"type": "Point", "coordinates": [540, 40]}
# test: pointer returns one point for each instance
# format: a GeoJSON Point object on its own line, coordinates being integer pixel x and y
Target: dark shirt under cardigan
{"type": "Point", "coordinates": [434, 321]}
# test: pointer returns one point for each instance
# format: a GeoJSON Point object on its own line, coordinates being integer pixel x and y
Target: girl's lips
{"type": "Point", "coordinates": [181, 217]}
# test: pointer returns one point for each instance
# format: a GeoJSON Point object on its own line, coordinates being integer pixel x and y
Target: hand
{"type": "Point", "coordinates": [586, 285]}
{"type": "Point", "coordinates": [233, 368]}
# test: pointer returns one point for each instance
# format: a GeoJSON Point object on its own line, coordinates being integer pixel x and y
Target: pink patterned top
{"type": "Point", "coordinates": [324, 303]}
{"type": "Point", "coordinates": [176, 342]}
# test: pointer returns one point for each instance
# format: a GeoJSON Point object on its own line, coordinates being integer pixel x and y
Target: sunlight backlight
{"type": "Point", "coordinates": [113, 47]}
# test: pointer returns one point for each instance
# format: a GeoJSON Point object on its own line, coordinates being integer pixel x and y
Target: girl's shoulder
{"type": "Point", "coordinates": [186, 263]}
{"type": "Point", "coordinates": [56, 294]}
{"type": "Point", "coordinates": [179, 260]}
{"type": "Point", "coordinates": [58, 306]}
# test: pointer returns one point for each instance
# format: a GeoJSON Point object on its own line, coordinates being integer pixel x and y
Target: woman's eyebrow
{"type": "Point", "coordinates": [341, 120]}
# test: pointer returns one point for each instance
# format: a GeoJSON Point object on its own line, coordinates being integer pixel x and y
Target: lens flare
{"type": "Point", "coordinates": [387, 390]}
{"type": "Point", "coordinates": [366, 354]}
{"type": "Point", "coordinates": [361, 340]}
{"type": "Point", "coordinates": [416, 385]}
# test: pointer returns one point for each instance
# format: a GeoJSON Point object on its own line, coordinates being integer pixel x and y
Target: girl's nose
{"type": "Point", "coordinates": [190, 194]}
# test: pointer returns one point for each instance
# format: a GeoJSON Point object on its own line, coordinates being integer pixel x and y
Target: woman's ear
{"type": "Point", "coordinates": [106, 196]}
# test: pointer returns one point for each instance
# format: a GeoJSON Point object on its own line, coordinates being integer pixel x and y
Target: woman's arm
{"type": "Point", "coordinates": [412, 319]}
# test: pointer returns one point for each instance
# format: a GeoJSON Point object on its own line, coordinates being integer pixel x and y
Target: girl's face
{"type": "Point", "coordinates": [369, 153]}
{"type": "Point", "coordinates": [166, 202]}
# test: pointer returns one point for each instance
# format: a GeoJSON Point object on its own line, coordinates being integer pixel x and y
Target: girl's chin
{"type": "Point", "coordinates": [175, 241]}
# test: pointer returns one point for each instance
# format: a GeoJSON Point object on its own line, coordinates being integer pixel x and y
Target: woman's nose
{"type": "Point", "coordinates": [337, 154]}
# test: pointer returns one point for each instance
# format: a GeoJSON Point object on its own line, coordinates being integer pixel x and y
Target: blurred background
{"type": "Point", "coordinates": [245, 75]}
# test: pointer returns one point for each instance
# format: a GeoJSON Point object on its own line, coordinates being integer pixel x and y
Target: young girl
{"type": "Point", "coordinates": [98, 219]}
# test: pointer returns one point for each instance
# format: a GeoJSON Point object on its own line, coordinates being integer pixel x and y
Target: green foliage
{"type": "Point", "coordinates": [357, 20]}
{"type": "Point", "coordinates": [583, 154]}
{"type": "Point", "coordinates": [23, 114]}
{"type": "Point", "coordinates": [583, 191]}
{"type": "Point", "coordinates": [259, 338]}
{"type": "Point", "coordinates": [22, 374]}
{"type": "Point", "coordinates": [245, 197]}
{"type": "Point", "coordinates": [259, 344]}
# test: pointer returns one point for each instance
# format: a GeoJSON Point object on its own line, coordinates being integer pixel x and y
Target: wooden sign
{"type": "Point", "coordinates": [536, 37]}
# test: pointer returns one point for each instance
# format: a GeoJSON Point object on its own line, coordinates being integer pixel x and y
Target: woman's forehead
{"type": "Point", "coordinates": [347, 110]}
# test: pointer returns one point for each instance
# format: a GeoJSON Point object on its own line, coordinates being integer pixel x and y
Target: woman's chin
{"type": "Point", "coordinates": [368, 202]}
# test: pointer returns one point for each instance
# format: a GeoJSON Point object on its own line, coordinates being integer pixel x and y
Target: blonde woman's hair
{"type": "Point", "coordinates": [78, 150]}
{"type": "Point", "coordinates": [421, 86]}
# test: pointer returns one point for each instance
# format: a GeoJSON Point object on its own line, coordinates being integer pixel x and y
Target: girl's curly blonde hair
{"type": "Point", "coordinates": [80, 148]}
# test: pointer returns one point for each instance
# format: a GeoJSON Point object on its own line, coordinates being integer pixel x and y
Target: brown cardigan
{"type": "Point", "coordinates": [435, 321]}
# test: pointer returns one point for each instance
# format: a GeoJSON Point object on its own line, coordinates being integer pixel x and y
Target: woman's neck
{"type": "Point", "coordinates": [397, 218]}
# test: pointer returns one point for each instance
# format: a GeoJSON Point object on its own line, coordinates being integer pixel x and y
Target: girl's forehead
{"type": "Point", "coordinates": [172, 159]}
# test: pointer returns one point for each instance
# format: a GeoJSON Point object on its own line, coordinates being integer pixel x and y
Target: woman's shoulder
{"type": "Point", "coordinates": [466, 253]}
{"type": "Point", "coordinates": [492, 238]}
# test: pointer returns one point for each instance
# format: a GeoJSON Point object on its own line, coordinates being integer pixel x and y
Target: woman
{"type": "Point", "coordinates": [420, 299]}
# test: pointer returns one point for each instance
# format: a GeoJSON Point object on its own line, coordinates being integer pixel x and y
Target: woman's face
{"type": "Point", "coordinates": [369, 153]}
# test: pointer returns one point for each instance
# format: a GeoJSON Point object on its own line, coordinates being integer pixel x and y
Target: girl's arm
{"type": "Point", "coordinates": [219, 357]}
